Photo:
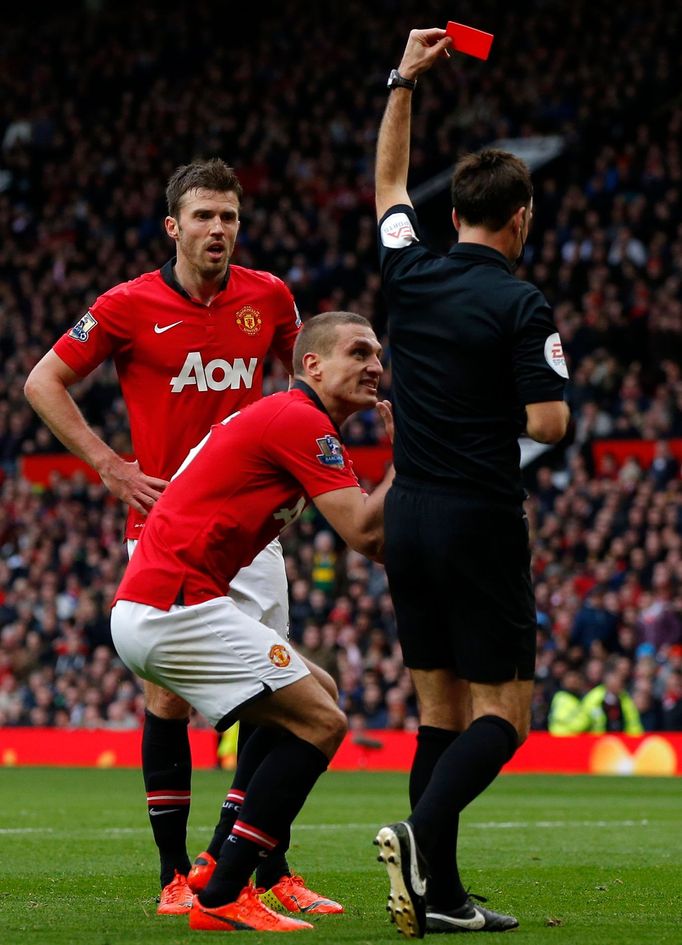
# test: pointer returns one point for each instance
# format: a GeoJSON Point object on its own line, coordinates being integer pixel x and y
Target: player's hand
{"type": "Point", "coordinates": [127, 482]}
{"type": "Point", "coordinates": [422, 50]}
{"type": "Point", "coordinates": [386, 413]}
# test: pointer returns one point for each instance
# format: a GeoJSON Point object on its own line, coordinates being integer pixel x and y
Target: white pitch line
{"type": "Point", "coordinates": [5, 830]}
{"type": "Point", "coordinates": [500, 824]}
{"type": "Point", "coordinates": [332, 828]}
{"type": "Point", "coordinates": [553, 824]}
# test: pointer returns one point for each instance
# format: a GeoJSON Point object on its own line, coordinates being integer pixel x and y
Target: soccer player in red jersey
{"type": "Point", "coordinates": [174, 623]}
{"type": "Point", "coordinates": [189, 342]}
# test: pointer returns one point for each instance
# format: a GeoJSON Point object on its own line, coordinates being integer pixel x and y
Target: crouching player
{"type": "Point", "coordinates": [173, 623]}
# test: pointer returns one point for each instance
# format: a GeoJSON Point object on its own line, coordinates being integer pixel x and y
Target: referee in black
{"type": "Point", "coordinates": [476, 360]}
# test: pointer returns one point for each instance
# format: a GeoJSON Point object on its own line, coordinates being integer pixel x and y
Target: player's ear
{"type": "Point", "coordinates": [311, 365]}
{"type": "Point", "coordinates": [171, 226]}
{"type": "Point", "coordinates": [455, 219]}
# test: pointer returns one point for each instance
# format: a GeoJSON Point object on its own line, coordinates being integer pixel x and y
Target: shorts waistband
{"type": "Point", "coordinates": [472, 497]}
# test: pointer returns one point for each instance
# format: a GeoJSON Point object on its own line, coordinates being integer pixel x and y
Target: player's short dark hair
{"type": "Point", "coordinates": [319, 334]}
{"type": "Point", "coordinates": [489, 186]}
{"type": "Point", "coordinates": [213, 174]}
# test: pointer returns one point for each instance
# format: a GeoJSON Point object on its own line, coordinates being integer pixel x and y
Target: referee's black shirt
{"type": "Point", "coordinates": [470, 345]}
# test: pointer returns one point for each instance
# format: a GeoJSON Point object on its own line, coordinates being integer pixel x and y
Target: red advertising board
{"type": "Point", "coordinates": [654, 754]}
{"type": "Point", "coordinates": [621, 450]}
{"type": "Point", "coordinates": [369, 462]}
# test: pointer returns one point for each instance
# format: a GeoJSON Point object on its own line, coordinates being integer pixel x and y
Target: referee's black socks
{"type": "Point", "coordinates": [465, 769]}
{"type": "Point", "coordinates": [431, 743]}
{"type": "Point", "coordinates": [445, 889]}
{"type": "Point", "coordinates": [167, 770]}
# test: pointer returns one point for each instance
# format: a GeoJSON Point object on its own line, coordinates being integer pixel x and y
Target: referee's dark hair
{"type": "Point", "coordinates": [213, 174]}
{"type": "Point", "coordinates": [319, 334]}
{"type": "Point", "coordinates": [489, 186]}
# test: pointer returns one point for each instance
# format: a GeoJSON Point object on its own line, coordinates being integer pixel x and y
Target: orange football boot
{"type": "Point", "coordinates": [201, 872]}
{"type": "Point", "coordinates": [292, 894]}
{"type": "Point", "coordinates": [176, 897]}
{"type": "Point", "coordinates": [246, 914]}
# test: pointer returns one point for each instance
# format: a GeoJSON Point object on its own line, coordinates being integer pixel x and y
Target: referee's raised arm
{"type": "Point", "coordinates": [393, 145]}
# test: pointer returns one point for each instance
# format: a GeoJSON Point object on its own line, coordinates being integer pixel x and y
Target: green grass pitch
{"type": "Point", "coordinates": [579, 860]}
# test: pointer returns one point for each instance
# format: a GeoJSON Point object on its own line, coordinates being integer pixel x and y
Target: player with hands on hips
{"type": "Point", "coordinates": [189, 342]}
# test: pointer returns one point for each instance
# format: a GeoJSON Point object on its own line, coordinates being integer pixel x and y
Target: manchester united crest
{"type": "Point", "coordinates": [279, 655]}
{"type": "Point", "coordinates": [249, 320]}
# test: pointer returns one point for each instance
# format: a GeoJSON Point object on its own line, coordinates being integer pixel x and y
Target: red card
{"type": "Point", "coordinates": [466, 39]}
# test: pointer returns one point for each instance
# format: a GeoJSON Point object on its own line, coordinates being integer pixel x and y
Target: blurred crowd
{"type": "Point", "coordinates": [96, 110]}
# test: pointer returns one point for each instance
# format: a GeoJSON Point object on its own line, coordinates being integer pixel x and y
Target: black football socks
{"type": "Point", "coordinates": [444, 887]}
{"type": "Point", "coordinates": [276, 793]}
{"type": "Point", "coordinates": [167, 771]}
{"type": "Point", "coordinates": [251, 751]}
{"type": "Point", "coordinates": [464, 770]}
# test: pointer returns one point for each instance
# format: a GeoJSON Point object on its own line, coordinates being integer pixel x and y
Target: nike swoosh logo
{"type": "Point", "coordinates": [160, 331]}
{"type": "Point", "coordinates": [418, 882]}
{"type": "Point", "coordinates": [477, 920]}
{"type": "Point", "coordinates": [158, 813]}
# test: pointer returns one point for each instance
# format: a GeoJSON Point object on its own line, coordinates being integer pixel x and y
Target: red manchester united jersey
{"type": "Point", "coordinates": [183, 365]}
{"type": "Point", "coordinates": [251, 477]}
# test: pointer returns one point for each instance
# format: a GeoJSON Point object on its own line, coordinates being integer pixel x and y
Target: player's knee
{"type": "Point", "coordinates": [163, 703]}
{"type": "Point", "coordinates": [330, 726]}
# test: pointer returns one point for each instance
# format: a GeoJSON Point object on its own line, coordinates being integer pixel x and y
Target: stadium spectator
{"type": "Point", "coordinates": [567, 714]}
{"type": "Point", "coordinates": [594, 623]}
{"type": "Point", "coordinates": [671, 702]}
{"type": "Point", "coordinates": [648, 705]}
{"type": "Point", "coordinates": [609, 708]}
{"type": "Point", "coordinates": [314, 649]}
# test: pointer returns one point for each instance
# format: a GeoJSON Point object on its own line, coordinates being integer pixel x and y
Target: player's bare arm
{"type": "Point", "coordinates": [547, 422]}
{"type": "Point", "coordinates": [46, 390]}
{"type": "Point", "coordinates": [393, 144]}
{"type": "Point", "coordinates": [357, 517]}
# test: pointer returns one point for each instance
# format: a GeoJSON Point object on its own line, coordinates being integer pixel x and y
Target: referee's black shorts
{"type": "Point", "coordinates": [459, 573]}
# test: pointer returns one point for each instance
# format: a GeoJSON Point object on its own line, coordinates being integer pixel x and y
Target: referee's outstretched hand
{"type": "Point", "coordinates": [386, 413]}
{"type": "Point", "coordinates": [422, 50]}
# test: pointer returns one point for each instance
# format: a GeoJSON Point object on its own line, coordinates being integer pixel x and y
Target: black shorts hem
{"type": "Point", "coordinates": [475, 676]}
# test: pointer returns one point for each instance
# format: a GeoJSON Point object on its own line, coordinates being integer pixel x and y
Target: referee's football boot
{"type": "Point", "coordinates": [407, 875]}
{"type": "Point", "coordinates": [175, 898]}
{"type": "Point", "coordinates": [469, 918]}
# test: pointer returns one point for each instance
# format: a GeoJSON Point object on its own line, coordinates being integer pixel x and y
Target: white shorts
{"type": "Point", "coordinates": [212, 654]}
{"type": "Point", "coordinates": [260, 589]}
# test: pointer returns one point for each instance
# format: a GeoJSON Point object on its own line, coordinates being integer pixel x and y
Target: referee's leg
{"type": "Point", "coordinates": [445, 712]}
{"type": "Point", "coordinates": [500, 714]}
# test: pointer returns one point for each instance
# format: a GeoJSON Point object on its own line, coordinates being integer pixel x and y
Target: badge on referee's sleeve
{"type": "Point", "coordinates": [554, 354]}
{"type": "Point", "coordinates": [397, 231]}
